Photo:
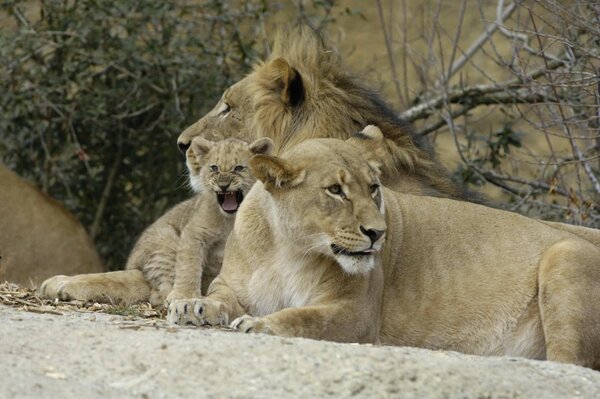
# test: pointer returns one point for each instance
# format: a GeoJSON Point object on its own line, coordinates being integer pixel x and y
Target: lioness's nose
{"type": "Point", "coordinates": [373, 234]}
{"type": "Point", "coordinates": [183, 146]}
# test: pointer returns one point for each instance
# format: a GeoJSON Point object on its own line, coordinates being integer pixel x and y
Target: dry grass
{"type": "Point", "coordinates": [28, 300]}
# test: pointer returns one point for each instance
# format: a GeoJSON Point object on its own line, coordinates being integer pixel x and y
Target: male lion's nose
{"type": "Point", "coordinates": [373, 234]}
{"type": "Point", "coordinates": [183, 146]}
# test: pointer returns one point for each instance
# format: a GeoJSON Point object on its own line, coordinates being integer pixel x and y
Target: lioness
{"type": "Point", "coordinates": [39, 237]}
{"type": "Point", "coordinates": [179, 254]}
{"type": "Point", "coordinates": [320, 250]}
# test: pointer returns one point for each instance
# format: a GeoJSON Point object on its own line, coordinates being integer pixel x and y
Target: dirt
{"type": "Point", "coordinates": [62, 350]}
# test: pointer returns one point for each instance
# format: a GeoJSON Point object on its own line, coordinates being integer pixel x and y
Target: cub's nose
{"type": "Point", "coordinates": [183, 146]}
{"type": "Point", "coordinates": [223, 186]}
{"type": "Point", "coordinates": [373, 234]}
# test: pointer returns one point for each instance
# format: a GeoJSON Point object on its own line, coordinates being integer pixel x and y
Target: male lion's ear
{"type": "Point", "coordinates": [289, 81]}
{"type": "Point", "coordinates": [275, 172]}
{"type": "Point", "coordinates": [262, 146]}
{"type": "Point", "coordinates": [370, 141]}
{"type": "Point", "coordinates": [201, 146]}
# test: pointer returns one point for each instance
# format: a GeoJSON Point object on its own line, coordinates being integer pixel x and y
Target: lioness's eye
{"type": "Point", "coordinates": [373, 188]}
{"type": "Point", "coordinates": [239, 168]}
{"type": "Point", "coordinates": [335, 189]}
{"type": "Point", "coordinates": [214, 168]}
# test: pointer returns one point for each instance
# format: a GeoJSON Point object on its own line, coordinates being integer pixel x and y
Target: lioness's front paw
{"type": "Point", "coordinates": [249, 324]}
{"type": "Point", "coordinates": [58, 287]}
{"type": "Point", "coordinates": [199, 312]}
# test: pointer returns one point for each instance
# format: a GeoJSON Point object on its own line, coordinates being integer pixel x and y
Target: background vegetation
{"type": "Point", "coordinates": [96, 93]}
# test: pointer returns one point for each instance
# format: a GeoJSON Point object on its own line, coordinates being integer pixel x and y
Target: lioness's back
{"type": "Point", "coordinates": [38, 237]}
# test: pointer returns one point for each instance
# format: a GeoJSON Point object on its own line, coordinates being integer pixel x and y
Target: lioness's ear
{"type": "Point", "coordinates": [289, 81]}
{"type": "Point", "coordinates": [370, 141]}
{"type": "Point", "coordinates": [201, 146]}
{"type": "Point", "coordinates": [262, 146]}
{"type": "Point", "coordinates": [275, 172]}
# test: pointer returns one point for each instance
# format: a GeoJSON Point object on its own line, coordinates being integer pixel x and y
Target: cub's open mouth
{"type": "Point", "coordinates": [343, 251]}
{"type": "Point", "coordinates": [230, 200]}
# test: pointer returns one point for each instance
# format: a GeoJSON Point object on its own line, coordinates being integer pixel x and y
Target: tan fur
{"type": "Point", "coordinates": [179, 254]}
{"type": "Point", "coordinates": [450, 275]}
{"type": "Point", "coordinates": [38, 237]}
{"type": "Point", "coordinates": [303, 91]}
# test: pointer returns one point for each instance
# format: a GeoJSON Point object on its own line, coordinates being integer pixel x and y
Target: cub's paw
{"type": "Point", "coordinates": [59, 287]}
{"type": "Point", "coordinates": [177, 295]}
{"type": "Point", "coordinates": [199, 312]}
{"type": "Point", "coordinates": [250, 324]}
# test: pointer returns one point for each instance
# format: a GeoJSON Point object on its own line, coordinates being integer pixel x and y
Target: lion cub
{"type": "Point", "coordinates": [182, 251]}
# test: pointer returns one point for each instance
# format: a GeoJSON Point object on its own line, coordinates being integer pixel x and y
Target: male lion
{"type": "Point", "coordinates": [320, 250]}
{"type": "Point", "coordinates": [179, 254]}
{"type": "Point", "coordinates": [301, 92]}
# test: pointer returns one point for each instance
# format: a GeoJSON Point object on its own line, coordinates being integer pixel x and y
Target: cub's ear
{"type": "Point", "coordinates": [288, 81]}
{"type": "Point", "coordinates": [275, 173]}
{"type": "Point", "coordinates": [262, 146]}
{"type": "Point", "coordinates": [371, 143]}
{"type": "Point", "coordinates": [201, 146]}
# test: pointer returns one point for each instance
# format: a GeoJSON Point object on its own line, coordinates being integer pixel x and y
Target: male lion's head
{"type": "Point", "coordinates": [222, 167]}
{"type": "Point", "coordinates": [303, 92]}
{"type": "Point", "coordinates": [326, 197]}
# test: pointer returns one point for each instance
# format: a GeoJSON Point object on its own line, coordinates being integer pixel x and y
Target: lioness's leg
{"type": "Point", "coordinates": [127, 286]}
{"type": "Point", "coordinates": [569, 297]}
{"type": "Point", "coordinates": [342, 321]}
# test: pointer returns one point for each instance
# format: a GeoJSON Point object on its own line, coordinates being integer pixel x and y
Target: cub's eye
{"type": "Point", "coordinates": [239, 168]}
{"type": "Point", "coordinates": [225, 108]}
{"type": "Point", "coordinates": [214, 168]}
{"type": "Point", "coordinates": [336, 189]}
{"type": "Point", "coordinates": [373, 188]}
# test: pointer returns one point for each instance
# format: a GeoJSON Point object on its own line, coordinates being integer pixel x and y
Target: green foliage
{"type": "Point", "coordinates": [95, 94]}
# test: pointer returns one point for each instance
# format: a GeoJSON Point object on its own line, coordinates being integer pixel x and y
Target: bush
{"type": "Point", "coordinates": [96, 93]}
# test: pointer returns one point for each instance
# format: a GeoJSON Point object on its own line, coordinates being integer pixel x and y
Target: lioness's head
{"type": "Point", "coordinates": [222, 167]}
{"type": "Point", "coordinates": [326, 198]}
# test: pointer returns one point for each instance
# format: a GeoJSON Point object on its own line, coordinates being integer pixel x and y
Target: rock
{"type": "Point", "coordinates": [75, 357]}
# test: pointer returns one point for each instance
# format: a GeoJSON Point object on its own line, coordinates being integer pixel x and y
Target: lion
{"type": "Point", "coordinates": [301, 92]}
{"type": "Point", "coordinates": [39, 237]}
{"type": "Point", "coordinates": [321, 250]}
{"type": "Point", "coordinates": [180, 254]}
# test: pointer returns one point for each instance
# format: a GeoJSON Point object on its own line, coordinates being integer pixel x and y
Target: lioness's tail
{"type": "Point", "coordinates": [126, 287]}
{"type": "Point", "coordinates": [587, 233]}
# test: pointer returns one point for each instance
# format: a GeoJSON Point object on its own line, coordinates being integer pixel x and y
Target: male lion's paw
{"type": "Point", "coordinates": [250, 324]}
{"type": "Point", "coordinates": [58, 287]}
{"type": "Point", "coordinates": [199, 312]}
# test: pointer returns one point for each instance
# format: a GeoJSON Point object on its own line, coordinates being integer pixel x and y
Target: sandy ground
{"type": "Point", "coordinates": [93, 355]}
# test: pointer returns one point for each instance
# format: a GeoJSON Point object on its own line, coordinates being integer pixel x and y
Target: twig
{"type": "Point", "coordinates": [390, 52]}
{"type": "Point", "coordinates": [481, 40]}
{"type": "Point", "coordinates": [107, 190]}
{"type": "Point", "coordinates": [474, 96]}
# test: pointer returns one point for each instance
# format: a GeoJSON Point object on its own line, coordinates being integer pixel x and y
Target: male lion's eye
{"type": "Point", "coordinates": [239, 168]}
{"type": "Point", "coordinates": [225, 108]}
{"type": "Point", "coordinates": [214, 168]}
{"type": "Point", "coordinates": [373, 188]}
{"type": "Point", "coordinates": [336, 189]}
